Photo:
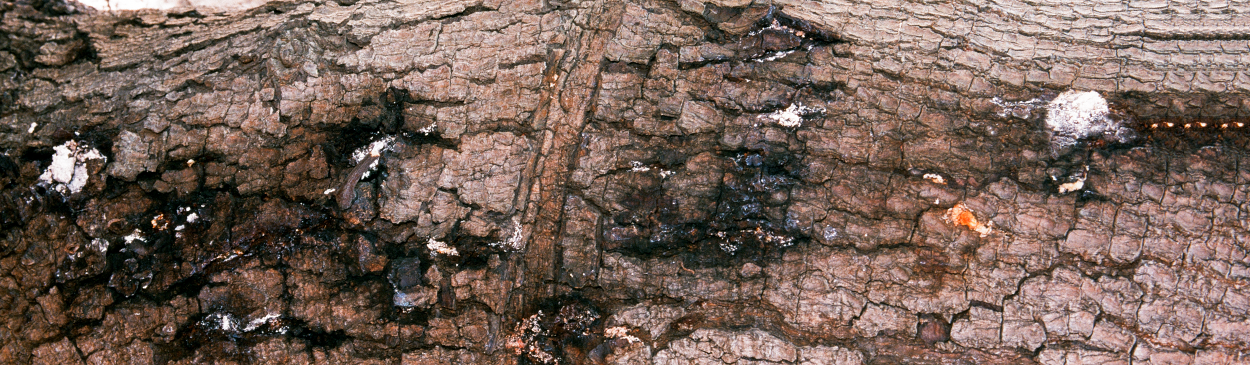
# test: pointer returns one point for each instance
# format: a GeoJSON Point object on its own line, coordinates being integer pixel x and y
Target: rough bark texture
{"type": "Point", "coordinates": [623, 181]}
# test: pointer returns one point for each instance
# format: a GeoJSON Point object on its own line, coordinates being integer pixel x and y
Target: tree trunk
{"type": "Point", "coordinates": [643, 181]}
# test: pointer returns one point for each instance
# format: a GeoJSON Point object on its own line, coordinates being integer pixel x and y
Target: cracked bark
{"type": "Point", "coordinates": [725, 181]}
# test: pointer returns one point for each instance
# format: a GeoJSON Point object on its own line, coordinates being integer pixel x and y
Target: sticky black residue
{"type": "Point", "coordinates": [747, 220]}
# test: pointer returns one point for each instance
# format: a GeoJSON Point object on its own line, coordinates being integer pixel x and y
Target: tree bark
{"type": "Point", "coordinates": [611, 181]}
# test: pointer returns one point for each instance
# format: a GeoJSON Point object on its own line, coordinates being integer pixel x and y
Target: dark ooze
{"type": "Point", "coordinates": [745, 219]}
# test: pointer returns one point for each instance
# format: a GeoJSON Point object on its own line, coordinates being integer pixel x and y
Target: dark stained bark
{"type": "Point", "coordinates": [623, 181]}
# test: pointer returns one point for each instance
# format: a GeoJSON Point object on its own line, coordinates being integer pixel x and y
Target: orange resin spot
{"type": "Point", "coordinates": [961, 216]}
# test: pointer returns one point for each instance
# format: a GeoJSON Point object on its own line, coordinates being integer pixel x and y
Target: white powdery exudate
{"type": "Point", "coordinates": [68, 171]}
{"type": "Point", "coordinates": [792, 116]}
{"type": "Point", "coordinates": [1076, 115]}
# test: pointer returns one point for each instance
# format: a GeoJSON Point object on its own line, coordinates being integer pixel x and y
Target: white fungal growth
{"type": "Point", "coordinates": [428, 129]}
{"type": "Point", "coordinates": [32, 127]}
{"type": "Point", "coordinates": [620, 332]}
{"type": "Point", "coordinates": [637, 166]}
{"type": "Point", "coordinates": [191, 218]}
{"type": "Point", "coordinates": [1075, 115]}
{"type": "Point", "coordinates": [256, 323]}
{"type": "Point", "coordinates": [516, 236]}
{"type": "Point", "coordinates": [373, 149]}
{"type": "Point", "coordinates": [441, 248]}
{"type": "Point", "coordinates": [1072, 186]}
{"type": "Point", "coordinates": [1075, 182]}
{"type": "Point", "coordinates": [68, 171]}
{"type": "Point", "coordinates": [935, 178]}
{"type": "Point", "coordinates": [775, 56]}
{"type": "Point", "coordinates": [1018, 109]}
{"type": "Point", "coordinates": [100, 245]}
{"type": "Point", "coordinates": [329, 191]}
{"type": "Point", "coordinates": [792, 116]}
{"type": "Point", "coordinates": [135, 236]}
{"type": "Point", "coordinates": [224, 321]}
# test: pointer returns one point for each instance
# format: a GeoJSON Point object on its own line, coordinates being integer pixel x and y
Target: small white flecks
{"type": "Point", "coordinates": [68, 171]}
{"type": "Point", "coordinates": [180, 227]}
{"type": "Point", "coordinates": [428, 129]}
{"type": "Point", "coordinates": [191, 218]}
{"type": "Point", "coordinates": [637, 166]}
{"type": "Point", "coordinates": [792, 116]}
{"type": "Point", "coordinates": [190, 162]}
{"type": "Point", "coordinates": [516, 239]}
{"type": "Point", "coordinates": [224, 321]}
{"type": "Point", "coordinates": [100, 245]}
{"type": "Point", "coordinates": [329, 191]}
{"type": "Point", "coordinates": [728, 248]}
{"type": "Point", "coordinates": [135, 236]}
{"type": "Point", "coordinates": [32, 127]}
{"type": "Point", "coordinates": [775, 56]}
{"type": "Point", "coordinates": [620, 332]}
{"type": "Point", "coordinates": [829, 233]}
{"type": "Point", "coordinates": [441, 248]}
{"type": "Point", "coordinates": [1018, 109]}
{"type": "Point", "coordinates": [372, 149]}
{"type": "Point", "coordinates": [666, 173]}
{"type": "Point", "coordinates": [935, 178]}
{"type": "Point", "coordinates": [159, 222]}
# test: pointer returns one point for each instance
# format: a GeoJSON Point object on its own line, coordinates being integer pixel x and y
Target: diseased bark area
{"type": "Point", "coordinates": [725, 181]}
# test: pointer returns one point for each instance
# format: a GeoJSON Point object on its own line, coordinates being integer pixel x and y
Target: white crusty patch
{"type": "Point", "coordinates": [935, 178]}
{"type": "Point", "coordinates": [441, 248]}
{"type": "Point", "coordinates": [135, 236]}
{"type": "Point", "coordinates": [1075, 182]}
{"type": "Point", "coordinates": [620, 332]}
{"type": "Point", "coordinates": [68, 171]}
{"type": "Point", "coordinates": [792, 116]}
{"type": "Point", "coordinates": [1075, 115]}
{"type": "Point", "coordinates": [256, 323]}
{"type": "Point", "coordinates": [100, 245]}
{"type": "Point", "coordinates": [1072, 186]}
